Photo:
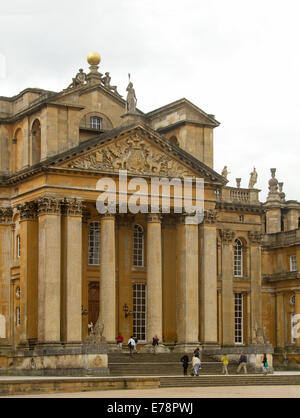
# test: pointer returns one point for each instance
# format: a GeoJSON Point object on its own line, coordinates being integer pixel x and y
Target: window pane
{"type": "Point", "coordinates": [238, 258]}
{"type": "Point", "coordinates": [139, 318]}
{"type": "Point", "coordinates": [94, 244]}
{"type": "Point", "coordinates": [95, 122]}
{"type": "Point", "coordinates": [238, 304]}
{"type": "Point", "coordinates": [138, 246]}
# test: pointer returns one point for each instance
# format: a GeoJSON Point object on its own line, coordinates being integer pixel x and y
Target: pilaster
{"type": "Point", "coordinates": [72, 280]}
{"type": "Point", "coordinates": [108, 277]}
{"type": "Point", "coordinates": [6, 214]}
{"type": "Point", "coordinates": [208, 279]}
{"type": "Point", "coordinates": [28, 271]}
{"type": "Point", "coordinates": [227, 237]}
{"type": "Point", "coordinates": [255, 238]}
{"type": "Point", "coordinates": [49, 271]}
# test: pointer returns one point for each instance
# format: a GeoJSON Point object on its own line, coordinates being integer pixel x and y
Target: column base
{"type": "Point", "coordinates": [160, 348]}
{"type": "Point", "coordinates": [187, 347]}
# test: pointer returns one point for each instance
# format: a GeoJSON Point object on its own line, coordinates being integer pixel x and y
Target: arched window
{"type": "Point", "coordinates": [138, 246]}
{"type": "Point", "coordinates": [238, 258]}
{"type": "Point", "coordinates": [36, 142]}
{"type": "Point", "coordinates": [94, 244]}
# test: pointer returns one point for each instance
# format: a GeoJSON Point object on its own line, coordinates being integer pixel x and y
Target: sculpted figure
{"type": "Point", "coordinates": [96, 334]}
{"type": "Point", "coordinates": [106, 81]}
{"type": "Point", "coordinates": [78, 80]}
{"type": "Point", "coordinates": [253, 179]}
{"type": "Point", "coordinates": [131, 99]}
{"type": "Point", "coordinates": [225, 172]}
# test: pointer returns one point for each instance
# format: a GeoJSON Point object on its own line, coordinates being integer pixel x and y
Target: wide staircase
{"type": "Point", "coordinates": [163, 364]}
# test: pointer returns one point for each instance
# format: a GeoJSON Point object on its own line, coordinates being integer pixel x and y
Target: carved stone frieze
{"type": "Point", "coordinates": [227, 236]}
{"type": "Point", "coordinates": [49, 205]}
{"type": "Point", "coordinates": [28, 211]}
{"type": "Point", "coordinates": [6, 215]}
{"type": "Point", "coordinates": [133, 154]}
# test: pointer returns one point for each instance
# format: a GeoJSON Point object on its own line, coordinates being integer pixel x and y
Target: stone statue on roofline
{"type": "Point", "coordinates": [253, 179]}
{"type": "Point", "coordinates": [225, 172]}
{"type": "Point", "coordinates": [131, 100]}
{"type": "Point", "coordinates": [106, 82]}
{"type": "Point", "coordinates": [78, 80]}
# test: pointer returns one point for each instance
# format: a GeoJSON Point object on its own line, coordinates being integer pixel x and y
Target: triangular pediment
{"type": "Point", "coordinates": [134, 154]}
{"type": "Point", "coordinates": [140, 151]}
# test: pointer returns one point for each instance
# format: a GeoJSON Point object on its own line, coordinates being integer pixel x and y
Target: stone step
{"type": "Point", "coordinates": [125, 357]}
{"type": "Point", "coordinates": [248, 380]}
{"type": "Point", "coordinates": [163, 369]}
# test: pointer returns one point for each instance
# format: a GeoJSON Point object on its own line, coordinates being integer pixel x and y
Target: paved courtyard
{"type": "Point", "coordinates": [198, 392]}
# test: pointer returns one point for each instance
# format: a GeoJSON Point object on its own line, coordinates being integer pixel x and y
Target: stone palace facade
{"type": "Point", "coordinates": [230, 283]}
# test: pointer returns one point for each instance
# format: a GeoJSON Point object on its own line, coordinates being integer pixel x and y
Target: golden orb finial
{"type": "Point", "coordinates": [94, 58]}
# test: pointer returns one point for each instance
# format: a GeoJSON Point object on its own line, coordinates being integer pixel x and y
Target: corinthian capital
{"type": "Point", "coordinates": [49, 205]}
{"type": "Point", "coordinates": [28, 211]}
{"type": "Point", "coordinates": [227, 236]}
{"type": "Point", "coordinates": [72, 207]}
{"type": "Point", "coordinates": [6, 215]}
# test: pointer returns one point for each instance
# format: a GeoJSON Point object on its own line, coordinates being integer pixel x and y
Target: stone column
{"type": "Point", "coordinates": [84, 291]}
{"type": "Point", "coordinates": [279, 319]}
{"type": "Point", "coordinates": [125, 241]}
{"type": "Point", "coordinates": [208, 280]}
{"type": "Point", "coordinates": [297, 322]}
{"type": "Point", "coordinates": [28, 271]}
{"type": "Point", "coordinates": [6, 214]}
{"type": "Point", "coordinates": [227, 237]}
{"type": "Point", "coordinates": [255, 238]}
{"type": "Point", "coordinates": [187, 285]}
{"type": "Point", "coordinates": [154, 277]}
{"type": "Point", "coordinates": [108, 277]}
{"type": "Point", "coordinates": [49, 271]}
{"type": "Point", "coordinates": [72, 280]}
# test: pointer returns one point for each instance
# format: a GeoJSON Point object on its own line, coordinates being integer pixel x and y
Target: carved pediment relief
{"type": "Point", "coordinates": [133, 154]}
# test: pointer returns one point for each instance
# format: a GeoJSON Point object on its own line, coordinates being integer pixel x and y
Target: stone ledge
{"type": "Point", "coordinates": [58, 385]}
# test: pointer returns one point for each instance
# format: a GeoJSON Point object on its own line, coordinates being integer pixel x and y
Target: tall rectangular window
{"type": "Point", "coordinates": [94, 244]}
{"type": "Point", "coordinates": [238, 305]}
{"type": "Point", "coordinates": [139, 310]}
{"type": "Point", "coordinates": [18, 246]}
{"type": "Point", "coordinates": [238, 258]}
{"type": "Point", "coordinates": [138, 246]}
{"type": "Point", "coordinates": [293, 263]}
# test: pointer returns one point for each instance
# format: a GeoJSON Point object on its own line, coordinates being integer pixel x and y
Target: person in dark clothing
{"type": "Point", "coordinates": [185, 363]}
{"type": "Point", "coordinates": [242, 363]}
{"type": "Point", "coordinates": [197, 352]}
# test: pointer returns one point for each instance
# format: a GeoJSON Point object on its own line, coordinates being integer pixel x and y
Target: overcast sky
{"type": "Point", "coordinates": [236, 59]}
